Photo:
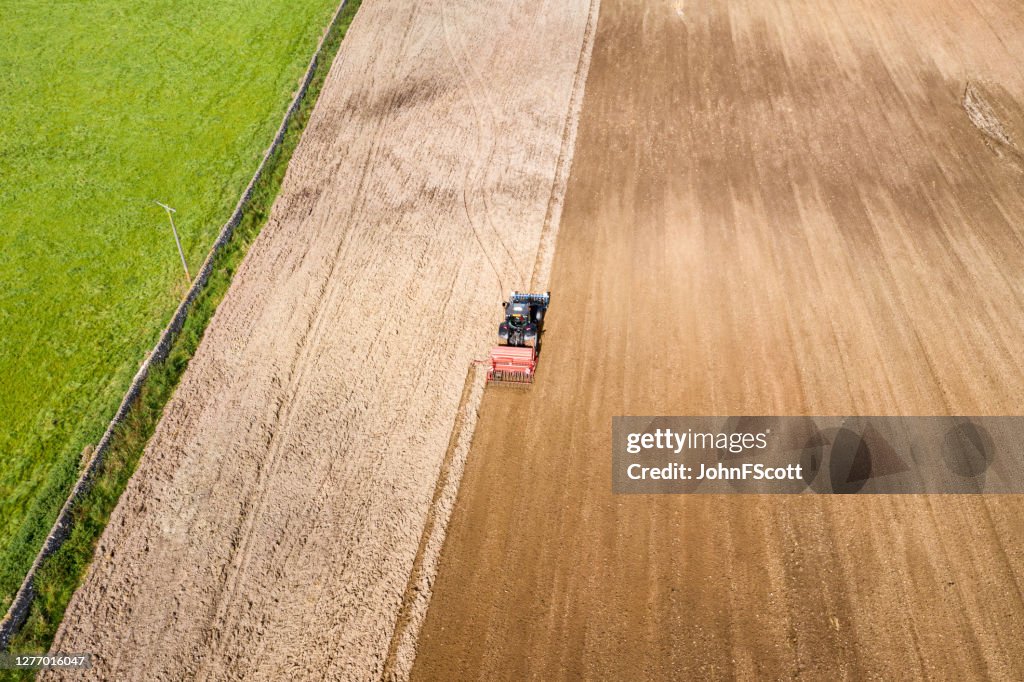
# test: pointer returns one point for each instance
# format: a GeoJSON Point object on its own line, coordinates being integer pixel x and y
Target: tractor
{"type": "Point", "coordinates": [514, 360]}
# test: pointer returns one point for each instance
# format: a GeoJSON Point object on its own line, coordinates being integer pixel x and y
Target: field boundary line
{"type": "Point", "coordinates": [412, 614]}
{"type": "Point", "coordinates": [401, 650]}
{"type": "Point", "coordinates": [541, 275]}
{"type": "Point", "coordinates": [19, 608]}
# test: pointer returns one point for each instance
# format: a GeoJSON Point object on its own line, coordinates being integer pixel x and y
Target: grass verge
{"type": "Point", "coordinates": [61, 574]}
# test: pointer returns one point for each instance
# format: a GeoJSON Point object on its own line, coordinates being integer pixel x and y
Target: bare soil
{"type": "Point", "coordinates": [774, 208]}
{"type": "Point", "coordinates": [271, 527]}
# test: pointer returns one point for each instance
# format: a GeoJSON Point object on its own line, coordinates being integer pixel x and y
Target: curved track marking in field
{"type": "Point", "coordinates": [486, 138]}
{"type": "Point", "coordinates": [478, 91]}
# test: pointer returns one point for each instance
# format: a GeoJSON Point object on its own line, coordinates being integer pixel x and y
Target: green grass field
{"type": "Point", "coordinates": [107, 106]}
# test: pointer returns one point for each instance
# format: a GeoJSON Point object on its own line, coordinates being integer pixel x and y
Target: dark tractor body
{"type": "Point", "coordinates": [514, 360]}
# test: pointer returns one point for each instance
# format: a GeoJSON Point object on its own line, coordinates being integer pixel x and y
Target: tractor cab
{"type": "Point", "coordinates": [517, 314]}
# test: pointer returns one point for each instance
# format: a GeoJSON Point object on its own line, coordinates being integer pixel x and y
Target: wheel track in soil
{"type": "Point", "coordinates": [471, 183]}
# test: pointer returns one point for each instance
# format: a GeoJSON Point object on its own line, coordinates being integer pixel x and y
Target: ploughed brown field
{"type": "Point", "coordinates": [773, 208]}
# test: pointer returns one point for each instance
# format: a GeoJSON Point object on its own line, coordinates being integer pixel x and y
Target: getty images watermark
{"type": "Point", "coordinates": [818, 454]}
